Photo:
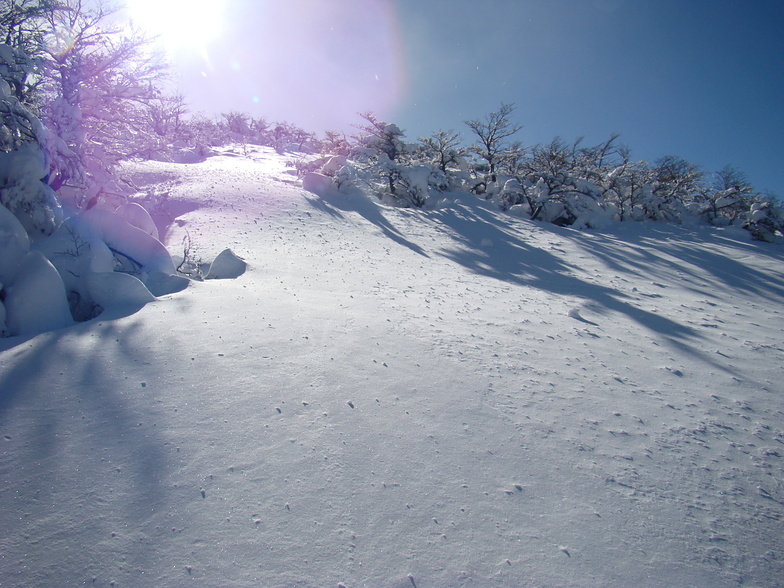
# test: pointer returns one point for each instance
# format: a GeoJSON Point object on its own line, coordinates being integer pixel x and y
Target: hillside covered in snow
{"type": "Point", "coordinates": [402, 397]}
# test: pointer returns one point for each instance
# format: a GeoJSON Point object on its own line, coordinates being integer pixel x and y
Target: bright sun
{"type": "Point", "coordinates": [179, 23]}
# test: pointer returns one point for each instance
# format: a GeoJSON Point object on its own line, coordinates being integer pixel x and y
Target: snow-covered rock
{"type": "Point", "coordinates": [36, 302]}
{"type": "Point", "coordinates": [226, 266]}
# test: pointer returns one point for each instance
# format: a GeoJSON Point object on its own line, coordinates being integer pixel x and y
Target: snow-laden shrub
{"type": "Point", "coordinates": [4, 331]}
{"type": "Point", "coordinates": [378, 137]}
{"type": "Point", "coordinates": [136, 215]}
{"type": "Point", "coordinates": [345, 177]}
{"type": "Point", "coordinates": [765, 220]}
{"type": "Point", "coordinates": [23, 164]}
{"type": "Point", "coordinates": [15, 67]}
{"type": "Point", "coordinates": [14, 245]}
{"type": "Point", "coordinates": [655, 206]}
{"type": "Point", "coordinates": [562, 200]}
{"type": "Point", "coordinates": [512, 194]}
{"type": "Point", "coordinates": [24, 192]}
{"type": "Point", "coordinates": [333, 165]}
{"type": "Point", "coordinates": [106, 261]}
{"type": "Point", "coordinates": [417, 185]}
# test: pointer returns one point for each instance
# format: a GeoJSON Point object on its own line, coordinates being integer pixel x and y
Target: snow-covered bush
{"type": "Point", "coordinates": [54, 272]}
{"type": "Point", "coordinates": [346, 177]}
{"type": "Point", "coordinates": [24, 192]}
{"type": "Point", "coordinates": [35, 299]}
{"type": "Point", "coordinates": [110, 259]}
{"type": "Point", "coordinates": [765, 220]}
{"type": "Point", "coordinates": [23, 164]}
{"type": "Point", "coordinates": [18, 123]}
{"type": "Point", "coordinates": [417, 185]}
{"type": "Point", "coordinates": [378, 138]}
{"type": "Point", "coordinates": [567, 184]}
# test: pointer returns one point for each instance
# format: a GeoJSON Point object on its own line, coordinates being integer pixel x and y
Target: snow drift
{"type": "Point", "coordinates": [390, 397]}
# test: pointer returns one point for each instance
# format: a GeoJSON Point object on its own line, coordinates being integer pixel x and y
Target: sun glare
{"type": "Point", "coordinates": [179, 23]}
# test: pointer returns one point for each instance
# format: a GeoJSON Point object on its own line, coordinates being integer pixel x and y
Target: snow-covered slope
{"type": "Point", "coordinates": [404, 398]}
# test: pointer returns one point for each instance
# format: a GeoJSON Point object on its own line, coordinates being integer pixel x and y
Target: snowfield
{"type": "Point", "coordinates": [396, 398]}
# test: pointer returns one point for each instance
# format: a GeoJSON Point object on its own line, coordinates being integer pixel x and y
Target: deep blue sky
{"type": "Point", "coordinates": [703, 79]}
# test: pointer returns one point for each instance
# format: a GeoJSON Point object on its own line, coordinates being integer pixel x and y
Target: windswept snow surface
{"type": "Point", "coordinates": [402, 398]}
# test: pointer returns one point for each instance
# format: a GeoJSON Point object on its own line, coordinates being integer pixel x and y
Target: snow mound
{"type": "Point", "coordinates": [226, 266]}
{"type": "Point", "coordinates": [35, 302]}
{"type": "Point", "coordinates": [137, 216]}
{"type": "Point", "coordinates": [107, 262]}
{"type": "Point", "coordinates": [116, 289]}
{"type": "Point", "coordinates": [160, 284]}
{"type": "Point", "coordinates": [138, 246]}
{"type": "Point", "coordinates": [14, 243]}
{"type": "Point", "coordinates": [318, 184]}
{"type": "Point", "coordinates": [187, 156]}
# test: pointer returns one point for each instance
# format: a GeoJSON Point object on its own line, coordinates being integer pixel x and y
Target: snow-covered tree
{"type": "Point", "coordinates": [729, 197]}
{"type": "Point", "coordinates": [290, 137]}
{"type": "Point", "coordinates": [625, 188]}
{"type": "Point", "coordinates": [390, 167]}
{"type": "Point", "coordinates": [335, 143]}
{"type": "Point", "coordinates": [378, 137]}
{"type": "Point", "coordinates": [23, 164]}
{"type": "Point", "coordinates": [167, 116]}
{"type": "Point", "coordinates": [379, 145]}
{"type": "Point", "coordinates": [237, 125]}
{"type": "Point", "coordinates": [492, 133]}
{"type": "Point", "coordinates": [674, 185]}
{"type": "Point", "coordinates": [23, 27]}
{"type": "Point", "coordinates": [442, 149]}
{"type": "Point", "coordinates": [98, 82]}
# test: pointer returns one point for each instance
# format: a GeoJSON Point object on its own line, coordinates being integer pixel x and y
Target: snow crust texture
{"type": "Point", "coordinates": [390, 397]}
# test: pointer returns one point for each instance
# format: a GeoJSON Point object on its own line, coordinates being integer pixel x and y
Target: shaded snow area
{"type": "Point", "coordinates": [395, 398]}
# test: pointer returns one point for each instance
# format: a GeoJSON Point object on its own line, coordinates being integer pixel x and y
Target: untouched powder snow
{"type": "Point", "coordinates": [401, 398]}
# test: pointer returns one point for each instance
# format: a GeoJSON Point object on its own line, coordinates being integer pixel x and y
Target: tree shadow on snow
{"type": "Point", "coordinates": [703, 256]}
{"type": "Point", "coordinates": [76, 409]}
{"type": "Point", "coordinates": [335, 204]}
{"type": "Point", "coordinates": [489, 248]}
